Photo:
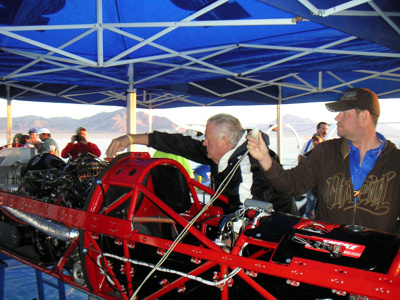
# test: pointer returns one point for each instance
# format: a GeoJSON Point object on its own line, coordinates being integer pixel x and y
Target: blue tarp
{"type": "Point", "coordinates": [20, 284]}
{"type": "Point", "coordinates": [197, 52]}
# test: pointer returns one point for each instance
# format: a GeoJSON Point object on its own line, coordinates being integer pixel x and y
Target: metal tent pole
{"type": "Point", "coordinates": [131, 100]}
{"type": "Point", "coordinates": [9, 117]}
{"type": "Point", "coordinates": [150, 110]}
{"type": "Point", "coordinates": [279, 122]}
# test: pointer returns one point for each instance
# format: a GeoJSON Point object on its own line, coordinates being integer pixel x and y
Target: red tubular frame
{"type": "Point", "coordinates": [95, 221]}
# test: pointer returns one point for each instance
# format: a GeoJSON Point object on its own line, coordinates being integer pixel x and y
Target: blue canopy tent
{"type": "Point", "coordinates": [162, 54]}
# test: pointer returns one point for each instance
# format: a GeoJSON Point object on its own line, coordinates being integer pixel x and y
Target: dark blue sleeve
{"type": "Point", "coordinates": [179, 144]}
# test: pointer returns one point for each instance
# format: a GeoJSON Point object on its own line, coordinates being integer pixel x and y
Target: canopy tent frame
{"type": "Point", "coordinates": [100, 26]}
{"type": "Point", "coordinates": [170, 59]}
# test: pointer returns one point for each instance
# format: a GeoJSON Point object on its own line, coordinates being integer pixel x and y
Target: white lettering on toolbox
{"type": "Point", "coordinates": [348, 246]}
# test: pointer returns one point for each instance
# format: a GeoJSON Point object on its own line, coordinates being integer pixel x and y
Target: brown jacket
{"type": "Point", "coordinates": [328, 168]}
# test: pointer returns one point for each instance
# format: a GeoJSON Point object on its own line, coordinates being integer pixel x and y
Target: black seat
{"type": "Point", "coordinates": [171, 187]}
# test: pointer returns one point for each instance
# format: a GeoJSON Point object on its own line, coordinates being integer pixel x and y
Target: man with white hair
{"type": "Point", "coordinates": [49, 144]}
{"type": "Point", "coordinates": [221, 147]}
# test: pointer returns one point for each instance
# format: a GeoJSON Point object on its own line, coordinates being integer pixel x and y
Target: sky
{"type": "Point", "coordinates": [248, 115]}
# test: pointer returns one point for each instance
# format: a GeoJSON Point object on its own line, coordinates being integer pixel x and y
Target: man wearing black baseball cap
{"type": "Point", "coordinates": [357, 175]}
{"type": "Point", "coordinates": [357, 98]}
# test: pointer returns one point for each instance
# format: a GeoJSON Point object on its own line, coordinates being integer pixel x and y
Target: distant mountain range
{"type": "Point", "coordinates": [107, 122]}
{"type": "Point", "coordinates": [115, 122]}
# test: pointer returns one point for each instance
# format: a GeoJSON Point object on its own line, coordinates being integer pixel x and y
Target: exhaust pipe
{"type": "Point", "coordinates": [47, 226]}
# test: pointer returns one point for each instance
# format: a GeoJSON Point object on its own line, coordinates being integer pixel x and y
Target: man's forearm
{"type": "Point", "coordinates": [121, 143]}
{"type": "Point", "coordinates": [140, 139]}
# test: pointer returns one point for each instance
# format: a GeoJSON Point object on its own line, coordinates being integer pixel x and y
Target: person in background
{"type": "Point", "coordinates": [80, 144]}
{"type": "Point", "coordinates": [322, 130]}
{"type": "Point", "coordinates": [315, 140]}
{"type": "Point", "coordinates": [34, 139]}
{"type": "Point", "coordinates": [49, 144]}
{"type": "Point", "coordinates": [15, 141]}
{"type": "Point", "coordinates": [357, 175]}
{"type": "Point", "coordinates": [221, 147]}
{"type": "Point", "coordinates": [24, 141]}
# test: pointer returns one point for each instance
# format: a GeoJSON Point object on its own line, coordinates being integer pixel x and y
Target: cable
{"type": "Point", "coordinates": [193, 277]}
{"type": "Point", "coordinates": [217, 193]}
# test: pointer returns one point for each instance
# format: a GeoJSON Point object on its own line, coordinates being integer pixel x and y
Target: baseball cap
{"type": "Point", "coordinates": [79, 129]}
{"type": "Point", "coordinates": [360, 98]}
{"type": "Point", "coordinates": [316, 135]}
{"type": "Point", "coordinates": [43, 130]}
{"type": "Point", "coordinates": [32, 130]}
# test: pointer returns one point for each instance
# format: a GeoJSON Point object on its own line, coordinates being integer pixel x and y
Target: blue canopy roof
{"type": "Point", "coordinates": [199, 52]}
